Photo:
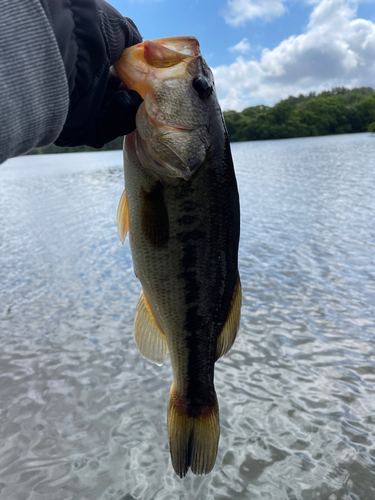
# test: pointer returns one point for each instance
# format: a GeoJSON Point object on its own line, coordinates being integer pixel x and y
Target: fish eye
{"type": "Point", "coordinates": [202, 86]}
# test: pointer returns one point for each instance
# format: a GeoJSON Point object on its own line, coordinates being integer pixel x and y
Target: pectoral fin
{"type": "Point", "coordinates": [149, 338]}
{"type": "Point", "coordinates": [230, 329]}
{"type": "Point", "coordinates": [123, 217]}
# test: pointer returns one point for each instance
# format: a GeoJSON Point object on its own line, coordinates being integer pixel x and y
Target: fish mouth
{"type": "Point", "coordinates": [162, 58]}
{"type": "Point", "coordinates": [171, 138]}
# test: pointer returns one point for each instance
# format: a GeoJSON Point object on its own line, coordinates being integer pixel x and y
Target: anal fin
{"type": "Point", "coordinates": [149, 338]}
{"type": "Point", "coordinates": [232, 323]}
{"type": "Point", "coordinates": [123, 217]}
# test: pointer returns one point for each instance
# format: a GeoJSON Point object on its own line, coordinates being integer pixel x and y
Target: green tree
{"type": "Point", "coordinates": [336, 111]}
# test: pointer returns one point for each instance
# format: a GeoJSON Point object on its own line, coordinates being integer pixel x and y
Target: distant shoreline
{"type": "Point", "coordinates": [334, 112]}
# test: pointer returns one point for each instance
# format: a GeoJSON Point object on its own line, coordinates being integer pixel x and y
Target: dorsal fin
{"type": "Point", "coordinates": [229, 332]}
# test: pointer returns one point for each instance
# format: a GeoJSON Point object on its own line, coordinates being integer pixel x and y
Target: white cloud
{"type": "Point", "coordinates": [337, 49]}
{"type": "Point", "coordinates": [240, 11]}
{"type": "Point", "coordinates": [243, 46]}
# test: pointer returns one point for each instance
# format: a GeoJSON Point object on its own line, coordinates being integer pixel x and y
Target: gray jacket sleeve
{"type": "Point", "coordinates": [34, 96]}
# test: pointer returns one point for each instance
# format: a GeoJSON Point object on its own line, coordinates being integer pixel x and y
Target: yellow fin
{"type": "Point", "coordinates": [232, 323]}
{"type": "Point", "coordinates": [193, 440]}
{"type": "Point", "coordinates": [149, 338]}
{"type": "Point", "coordinates": [123, 217]}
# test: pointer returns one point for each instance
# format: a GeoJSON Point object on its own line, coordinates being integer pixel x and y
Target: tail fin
{"type": "Point", "coordinates": [193, 440]}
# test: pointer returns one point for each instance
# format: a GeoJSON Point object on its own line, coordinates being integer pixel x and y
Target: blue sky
{"type": "Point", "coordinates": [264, 50]}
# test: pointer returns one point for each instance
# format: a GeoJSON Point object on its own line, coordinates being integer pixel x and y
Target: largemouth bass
{"type": "Point", "coordinates": [181, 208]}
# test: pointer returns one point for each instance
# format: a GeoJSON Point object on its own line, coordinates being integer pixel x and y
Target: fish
{"type": "Point", "coordinates": [181, 209]}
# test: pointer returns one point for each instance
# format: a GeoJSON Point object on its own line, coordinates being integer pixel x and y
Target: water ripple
{"type": "Point", "coordinates": [83, 415]}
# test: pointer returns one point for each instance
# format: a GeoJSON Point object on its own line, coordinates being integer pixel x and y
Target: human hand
{"type": "Point", "coordinates": [91, 35]}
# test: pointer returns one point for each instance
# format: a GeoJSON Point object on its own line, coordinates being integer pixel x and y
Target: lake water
{"type": "Point", "coordinates": [83, 415]}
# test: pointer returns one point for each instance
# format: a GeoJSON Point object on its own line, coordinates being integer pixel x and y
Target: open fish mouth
{"type": "Point", "coordinates": [163, 58]}
{"type": "Point", "coordinates": [173, 138]}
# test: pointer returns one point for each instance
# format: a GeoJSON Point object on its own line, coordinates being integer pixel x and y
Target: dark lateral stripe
{"type": "Point", "coordinates": [186, 220]}
{"type": "Point", "coordinates": [154, 216]}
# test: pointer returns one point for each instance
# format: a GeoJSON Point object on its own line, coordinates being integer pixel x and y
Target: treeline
{"type": "Point", "coordinates": [338, 111]}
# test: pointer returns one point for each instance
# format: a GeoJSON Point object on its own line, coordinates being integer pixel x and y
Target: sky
{"type": "Point", "coordinates": [262, 51]}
